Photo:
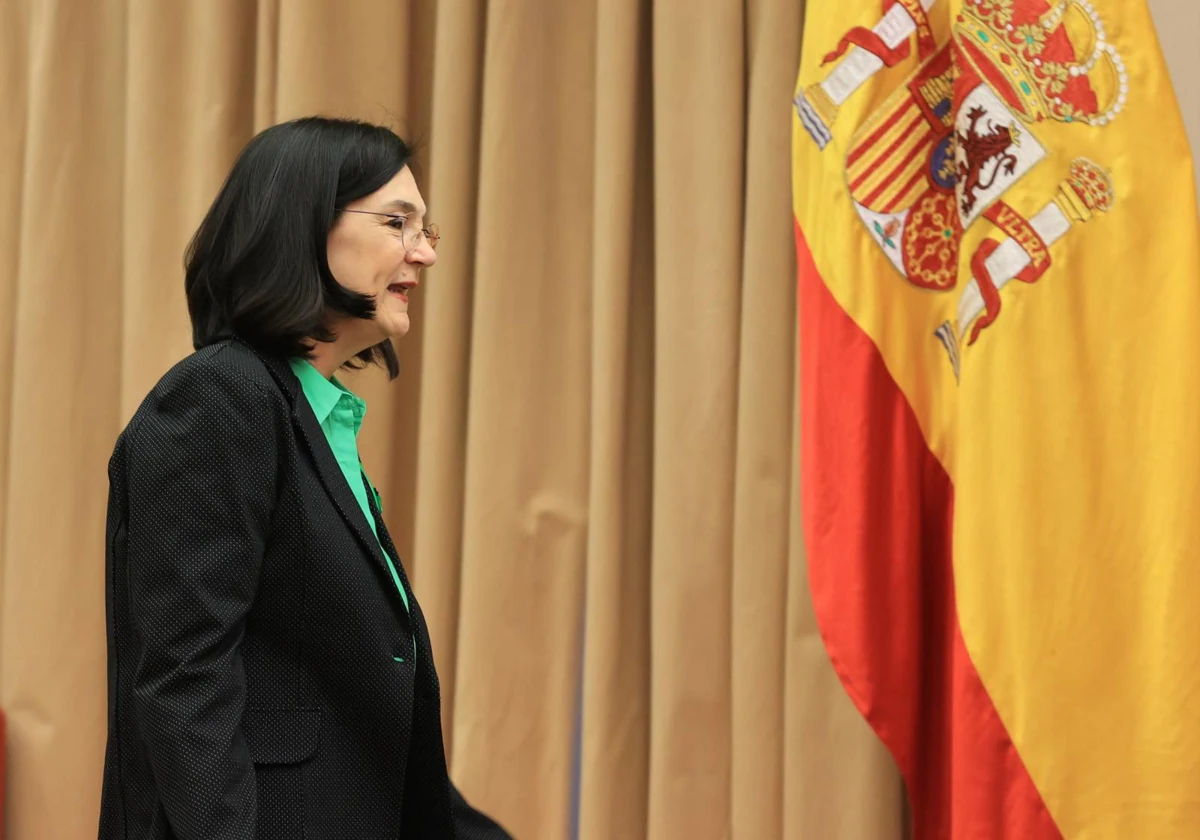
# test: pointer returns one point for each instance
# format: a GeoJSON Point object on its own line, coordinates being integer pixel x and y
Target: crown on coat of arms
{"type": "Point", "coordinates": [1049, 60]}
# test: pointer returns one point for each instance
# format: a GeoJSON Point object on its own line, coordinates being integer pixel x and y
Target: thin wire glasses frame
{"type": "Point", "coordinates": [430, 232]}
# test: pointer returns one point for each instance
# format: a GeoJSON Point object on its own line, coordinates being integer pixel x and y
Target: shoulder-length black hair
{"type": "Point", "coordinates": [257, 268]}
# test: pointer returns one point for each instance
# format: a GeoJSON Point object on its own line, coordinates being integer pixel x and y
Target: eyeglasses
{"type": "Point", "coordinates": [410, 238]}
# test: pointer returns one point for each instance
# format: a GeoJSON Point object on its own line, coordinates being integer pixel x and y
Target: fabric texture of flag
{"type": "Point", "coordinates": [999, 285]}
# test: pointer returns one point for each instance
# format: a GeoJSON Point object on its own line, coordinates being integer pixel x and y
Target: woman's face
{"type": "Point", "coordinates": [377, 248]}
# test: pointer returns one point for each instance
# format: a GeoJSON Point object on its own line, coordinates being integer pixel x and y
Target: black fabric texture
{"type": "Point", "coordinates": [255, 632]}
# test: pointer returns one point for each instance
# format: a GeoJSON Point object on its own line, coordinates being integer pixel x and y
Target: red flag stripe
{"type": "Point", "coordinates": [878, 513]}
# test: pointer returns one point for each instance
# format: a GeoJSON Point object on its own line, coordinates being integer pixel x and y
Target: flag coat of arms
{"type": "Point", "coordinates": [999, 285]}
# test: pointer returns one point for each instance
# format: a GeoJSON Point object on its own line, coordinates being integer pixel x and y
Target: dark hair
{"type": "Point", "coordinates": [256, 268]}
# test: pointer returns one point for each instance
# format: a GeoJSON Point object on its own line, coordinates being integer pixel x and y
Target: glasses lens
{"type": "Point", "coordinates": [412, 240]}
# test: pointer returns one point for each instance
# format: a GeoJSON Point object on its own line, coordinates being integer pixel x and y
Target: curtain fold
{"type": "Point", "coordinates": [63, 290]}
{"type": "Point", "coordinates": [589, 457]}
{"type": "Point", "coordinates": [614, 760]}
{"type": "Point", "coordinates": [525, 506]}
{"type": "Point", "coordinates": [761, 521]}
{"type": "Point", "coordinates": [452, 189]}
{"type": "Point", "coordinates": [699, 162]}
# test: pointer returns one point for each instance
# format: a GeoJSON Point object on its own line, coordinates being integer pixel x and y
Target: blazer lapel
{"type": "Point", "coordinates": [339, 491]}
{"type": "Point", "coordinates": [330, 472]}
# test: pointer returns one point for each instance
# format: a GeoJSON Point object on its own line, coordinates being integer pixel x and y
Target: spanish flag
{"type": "Point", "coordinates": [999, 285]}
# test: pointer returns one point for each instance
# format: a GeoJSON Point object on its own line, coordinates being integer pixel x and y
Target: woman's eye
{"type": "Point", "coordinates": [397, 223]}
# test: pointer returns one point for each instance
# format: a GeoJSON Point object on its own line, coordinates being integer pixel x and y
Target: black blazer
{"type": "Point", "coordinates": [261, 672]}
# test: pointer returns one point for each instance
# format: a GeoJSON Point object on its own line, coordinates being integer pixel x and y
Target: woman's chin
{"type": "Point", "coordinates": [397, 326]}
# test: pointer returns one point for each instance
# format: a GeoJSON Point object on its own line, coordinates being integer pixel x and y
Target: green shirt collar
{"type": "Point", "coordinates": [324, 394]}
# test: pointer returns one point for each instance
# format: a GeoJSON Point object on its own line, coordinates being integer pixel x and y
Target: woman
{"type": "Point", "coordinates": [270, 672]}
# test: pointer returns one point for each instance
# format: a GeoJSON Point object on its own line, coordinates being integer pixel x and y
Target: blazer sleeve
{"type": "Point", "coordinates": [202, 466]}
{"type": "Point", "coordinates": [470, 824]}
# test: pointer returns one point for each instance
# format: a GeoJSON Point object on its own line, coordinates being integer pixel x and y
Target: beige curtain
{"type": "Point", "coordinates": [589, 458]}
{"type": "Point", "coordinates": [1178, 25]}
